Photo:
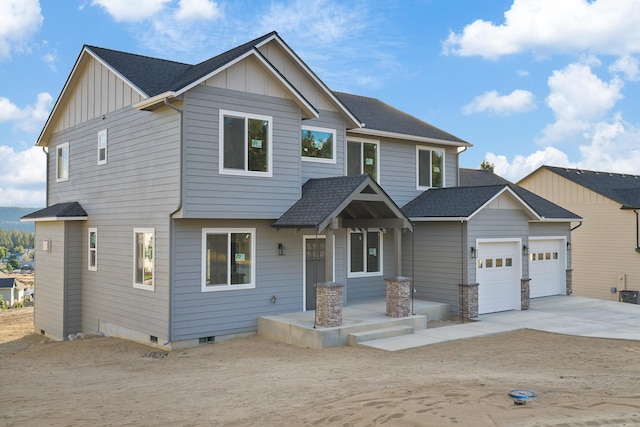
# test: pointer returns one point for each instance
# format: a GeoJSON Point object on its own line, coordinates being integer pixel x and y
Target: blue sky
{"type": "Point", "coordinates": [527, 82]}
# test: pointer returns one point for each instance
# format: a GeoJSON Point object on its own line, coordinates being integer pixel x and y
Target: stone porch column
{"type": "Point", "coordinates": [329, 304]}
{"type": "Point", "coordinates": [468, 300]}
{"type": "Point", "coordinates": [569, 282]}
{"type": "Point", "coordinates": [398, 296]}
{"type": "Point", "coordinates": [524, 294]}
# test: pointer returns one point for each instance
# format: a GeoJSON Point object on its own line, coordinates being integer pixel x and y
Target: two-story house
{"type": "Point", "coordinates": [185, 201]}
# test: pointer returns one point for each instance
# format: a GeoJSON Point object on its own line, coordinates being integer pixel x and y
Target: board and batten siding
{"type": "Point", "coordinates": [138, 187]}
{"type": "Point", "coordinates": [435, 261]}
{"type": "Point", "coordinates": [209, 194]}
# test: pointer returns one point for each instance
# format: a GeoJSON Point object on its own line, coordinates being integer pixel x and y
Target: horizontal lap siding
{"type": "Point", "coordinates": [435, 263]}
{"type": "Point", "coordinates": [49, 279]}
{"type": "Point", "coordinates": [73, 291]}
{"type": "Point", "coordinates": [310, 169]}
{"type": "Point", "coordinates": [137, 188]}
{"type": "Point", "coordinates": [208, 194]}
{"type": "Point", "coordinates": [365, 288]}
{"type": "Point", "coordinates": [197, 314]}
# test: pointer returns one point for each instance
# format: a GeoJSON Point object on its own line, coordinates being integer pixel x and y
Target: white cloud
{"type": "Point", "coordinates": [521, 166]}
{"type": "Point", "coordinates": [22, 177]}
{"type": "Point", "coordinates": [627, 65]}
{"type": "Point", "coordinates": [30, 118]}
{"type": "Point", "coordinates": [193, 10]}
{"type": "Point", "coordinates": [599, 26]}
{"type": "Point", "coordinates": [20, 19]}
{"type": "Point", "coordinates": [125, 11]}
{"type": "Point", "coordinates": [517, 101]}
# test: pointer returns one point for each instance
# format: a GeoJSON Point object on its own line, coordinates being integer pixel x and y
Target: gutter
{"type": "Point", "coordinates": [154, 100]}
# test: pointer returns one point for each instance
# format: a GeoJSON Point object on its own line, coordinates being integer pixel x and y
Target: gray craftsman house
{"type": "Point", "coordinates": [186, 201]}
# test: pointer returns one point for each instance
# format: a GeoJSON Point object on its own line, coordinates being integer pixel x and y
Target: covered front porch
{"type": "Point", "coordinates": [360, 322]}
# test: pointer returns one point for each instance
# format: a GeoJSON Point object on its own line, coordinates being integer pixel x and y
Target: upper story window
{"type": "Point", "coordinates": [62, 162]}
{"type": "Point", "coordinates": [318, 144]}
{"type": "Point", "coordinates": [93, 249]}
{"type": "Point", "coordinates": [228, 259]}
{"type": "Point", "coordinates": [363, 157]}
{"type": "Point", "coordinates": [143, 264]}
{"type": "Point", "coordinates": [430, 168]}
{"type": "Point", "coordinates": [102, 147]}
{"type": "Point", "coordinates": [246, 146]}
{"type": "Point", "coordinates": [365, 253]}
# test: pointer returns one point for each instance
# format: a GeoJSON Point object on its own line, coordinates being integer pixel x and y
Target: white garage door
{"type": "Point", "coordinates": [498, 273]}
{"type": "Point", "coordinates": [547, 267]}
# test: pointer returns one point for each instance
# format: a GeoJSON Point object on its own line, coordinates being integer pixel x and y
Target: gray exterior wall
{"type": "Point", "coordinates": [310, 169]}
{"type": "Point", "coordinates": [209, 194]}
{"type": "Point", "coordinates": [137, 188]}
{"type": "Point", "coordinates": [552, 229]}
{"type": "Point", "coordinates": [73, 279]}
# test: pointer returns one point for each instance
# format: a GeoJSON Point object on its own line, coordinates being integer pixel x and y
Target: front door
{"type": "Point", "coordinates": [314, 267]}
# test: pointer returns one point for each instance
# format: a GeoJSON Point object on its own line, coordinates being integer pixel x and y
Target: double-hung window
{"type": "Point", "coordinates": [62, 162]}
{"type": "Point", "coordinates": [245, 144]}
{"type": "Point", "coordinates": [430, 168]}
{"type": "Point", "coordinates": [318, 144]}
{"type": "Point", "coordinates": [93, 249]}
{"type": "Point", "coordinates": [102, 147]}
{"type": "Point", "coordinates": [365, 253]}
{"type": "Point", "coordinates": [143, 260]}
{"type": "Point", "coordinates": [363, 157]}
{"type": "Point", "coordinates": [228, 258]}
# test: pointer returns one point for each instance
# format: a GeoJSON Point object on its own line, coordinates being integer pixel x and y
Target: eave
{"type": "Point", "coordinates": [385, 134]}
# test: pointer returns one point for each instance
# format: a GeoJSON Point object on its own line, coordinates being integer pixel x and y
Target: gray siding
{"type": "Point", "coordinates": [73, 280]}
{"type": "Point", "coordinates": [435, 261]}
{"type": "Point", "coordinates": [310, 169]}
{"type": "Point", "coordinates": [137, 188]}
{"type": "Point", "coordinates": [364, 288]}
{"type": "Point", "coordinates": [209, 194]}
{"type": "Point", "coordinates": [552, 229]}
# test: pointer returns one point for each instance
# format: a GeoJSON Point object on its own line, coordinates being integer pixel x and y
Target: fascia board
{"type": "Point", "coordinates": [55, 218]}
{"type": "Point", "coordinates": [381, 133]}
{"type": "Point", "coordinates": [439, 218]}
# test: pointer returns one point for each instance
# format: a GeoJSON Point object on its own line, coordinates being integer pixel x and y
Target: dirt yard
{"type": "Point", "coordinates": [255, 382]}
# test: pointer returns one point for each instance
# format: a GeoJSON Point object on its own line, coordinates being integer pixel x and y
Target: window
{"type": "Point", "coordinates": [143, 265]}
{"type": "Point", "coordinates": [102, 147]}
{"type": "Point", "coordinates": [365, 253]}
{"type": "Point", "coordinates": [430, 167]}
{"type": "Point", "coordinates": [245, 144]}
{"type": "Point", "coordinates": [62, 162]}
{"type": "Point", "coordinates": [228, 259]}
{"type": "Point", "coordinates": [93, 249]}
{"type": "Point", "coordinates": [362, 157]}
{"type": "Point", "coordinates": [318, 144]}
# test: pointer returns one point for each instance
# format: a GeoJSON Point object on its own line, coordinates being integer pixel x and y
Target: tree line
{"type": "Point", "coordinates": [11, 239]}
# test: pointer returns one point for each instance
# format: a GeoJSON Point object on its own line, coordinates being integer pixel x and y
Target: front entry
{"type": "Point", "coordinates": [314, 268]}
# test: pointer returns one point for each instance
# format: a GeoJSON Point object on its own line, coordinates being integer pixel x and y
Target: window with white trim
{"type": "Point", "coordinates": [318, 144]}
{"type": "Point", "coordinates": [93, 249]}
{"type": "Point", "coordinates": [430, 168]}
{"type": "Point", "coordinates": [365, 253]}
{"type": "Point", "coordinates": [143, 259]}
{"type": "Point", "coordinates": [62, 162]}
{"type": "Point", "coordinates": [245, 144]}
{"type": "Point", "coordinates": [102, 147]}
{"type": "Point", "coordinates": [363, 157]}
{"type": "Point", "coordinates": [228, 258]}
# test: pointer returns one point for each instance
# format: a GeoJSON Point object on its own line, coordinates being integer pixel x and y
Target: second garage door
{"type": "Point", "coordinates": [547, 267]}
{"type": "Point", "coordinates": [498, 273]}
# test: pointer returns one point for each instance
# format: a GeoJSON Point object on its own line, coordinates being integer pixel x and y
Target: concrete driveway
{"type": "Point", "coordinates": [570, 315]}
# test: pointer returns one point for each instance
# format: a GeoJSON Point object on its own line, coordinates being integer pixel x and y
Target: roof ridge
{"type": "Point", "coordinates": [91, 47]}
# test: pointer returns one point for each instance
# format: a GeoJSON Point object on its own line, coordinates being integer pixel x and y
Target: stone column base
{"type": "Point", "coordinates": [398, 296]}
{"type": "Point", "coordinates": [468, 300]}
{"type": "Point", "coordinates": [524, 294]}
{"type": "Point", "coordinates": [569, 282]}
{"type": "Point", "coordinates": [329, 304]}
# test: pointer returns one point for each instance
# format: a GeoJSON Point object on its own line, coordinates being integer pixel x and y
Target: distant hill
{"type": "Point", "coordinates": [10, 219]}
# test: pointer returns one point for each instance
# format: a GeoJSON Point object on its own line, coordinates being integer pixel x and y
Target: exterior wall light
{"type": "Point", "coordinates": [569, 246]}
{"type": "Point", "coordinates": [474, 252]}
{"type": "Point", "coordinates": [280, 249]}
{"type": "Point", "coordinates": [525, 250]}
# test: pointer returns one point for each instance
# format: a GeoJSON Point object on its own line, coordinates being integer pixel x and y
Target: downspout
{"type": "Point", "coordinates": [413, 266]}
{"type": "Point", "coordinates": [177, 209]}
{"type": "Point", "coordinates": [637, 231]}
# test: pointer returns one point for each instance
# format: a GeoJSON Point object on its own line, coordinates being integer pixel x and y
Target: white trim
{"type": "Point", "coordinates": [153, 259]}
{"type": "Point", "coordinates": [333, 149]}
{"type": "Point", "coordinates": [246, 117]}
{"type": "Point", "coordinates": [365, 273]}
{"type": "Point", "coordinates": [413, 138]}
{"type": "Point", "coordinates": [59, 147]}
{"type": "Point", "coordinates": [89, 266]}
{"type": "Point", "coordinates": [55, 218]}
{"type": "Point", "coordinates": [304, 264]}
{"type": "Point", "coordinates": [204, 287]}
{"type": "Point", "coordinates": [102, 134]}
{"type": "Point", "coordinates": [420, 148]}
{"type": "Point", "coordinates": [361, 141]}
{"type": "Point", "coordinates": [157, 99]}
{"type": "Point", "coordinates": [517, 263]}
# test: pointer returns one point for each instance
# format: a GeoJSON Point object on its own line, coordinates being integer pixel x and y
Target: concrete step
{"type": "Point", "coordinates": [355, 338]}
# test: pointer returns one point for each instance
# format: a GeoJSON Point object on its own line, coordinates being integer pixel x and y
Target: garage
{"type": "Point", "coordinates": [547, 266]}
{"type": "Point", "coordinates": [498, 273]}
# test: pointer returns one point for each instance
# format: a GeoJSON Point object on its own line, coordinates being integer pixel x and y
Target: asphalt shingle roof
{"type": "Point", "coordinates": [621, 188]}
{"type": "Point", "coordinates": [59, 210]}
{"type": "Point", "coordinates": [475, 177]}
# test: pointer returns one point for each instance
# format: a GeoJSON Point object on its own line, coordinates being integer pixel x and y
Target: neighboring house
{"type": "Point", "coordinates": [11, 290]}
{"type": "Point", "coordinates": [605, 251]}
{"type": "Point", "coordinates": [185, 201]}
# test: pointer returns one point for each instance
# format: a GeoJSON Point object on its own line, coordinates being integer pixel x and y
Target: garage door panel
{"type": "Point", "coordinates": [498, 275]}
{"type": "Point", "coordinates": [547, 268]}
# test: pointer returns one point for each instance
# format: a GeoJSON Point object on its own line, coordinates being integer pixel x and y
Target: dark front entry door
{"type": "Point", "coordinates": [314, 269]}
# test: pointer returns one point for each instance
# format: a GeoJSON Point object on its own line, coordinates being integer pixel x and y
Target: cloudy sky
{"type": "Point", "coordinates": [527, 82]}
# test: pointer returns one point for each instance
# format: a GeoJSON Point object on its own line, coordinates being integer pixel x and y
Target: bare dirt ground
{"type": "Point", "coordinates": [255, 382]}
